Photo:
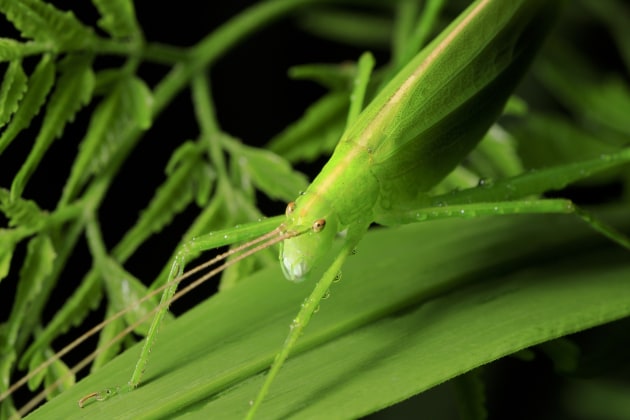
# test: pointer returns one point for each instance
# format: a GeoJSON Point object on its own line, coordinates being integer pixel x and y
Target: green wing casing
{"type": "Point", "coordinates": [420, 126]}
{"type": "Point", "coordinates": [435, 111]}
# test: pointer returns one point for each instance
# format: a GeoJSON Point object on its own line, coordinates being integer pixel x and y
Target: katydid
{"type": "Point", "coordinates": [419, 127]}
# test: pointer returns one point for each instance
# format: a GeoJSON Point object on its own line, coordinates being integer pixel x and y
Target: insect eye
{"type": "Point", "coordinates": [318, 225]}
{"type": "Point", "coordinates": [290, 208]}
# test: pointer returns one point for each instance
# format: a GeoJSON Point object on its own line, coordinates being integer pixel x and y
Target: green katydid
{"type": "Point", "coordinates": [415, 132]}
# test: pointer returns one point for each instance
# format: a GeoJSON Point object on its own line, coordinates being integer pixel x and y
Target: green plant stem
{"type": "Point", "coordinates": [210, 48]}
{"type": "Point", "coordinates": [206, 117]}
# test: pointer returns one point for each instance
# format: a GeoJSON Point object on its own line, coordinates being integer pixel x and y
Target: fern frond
{"type": "Point", "coordinates": [39, 84]}
{"type": "Point", "coordinates": [73, 91]}
{"type": "Point", "coordinates": [43, 22]}
{"type": "Point", "coordinates": [10, 49]}
{"type": "Point", "coordinates": [11, 91]}
{"type": "Point", "coordinates": [118, 18]}
{"type": "Point", "coordinates": [127, 106]}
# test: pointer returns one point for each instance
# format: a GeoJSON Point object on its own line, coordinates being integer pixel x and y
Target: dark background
{"type": "Point", "coordinates": [254, 100]}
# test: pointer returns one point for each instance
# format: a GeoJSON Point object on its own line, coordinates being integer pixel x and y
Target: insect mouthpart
{"type": "Point", "coordinates": [294, 271]}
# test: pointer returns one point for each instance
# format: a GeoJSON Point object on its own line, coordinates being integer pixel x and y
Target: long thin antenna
{"type": "Point", "coordinates": [269, 239]}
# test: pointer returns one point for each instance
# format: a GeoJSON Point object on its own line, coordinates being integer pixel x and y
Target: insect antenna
{"type": "Point", "coordinates": [239, 252]}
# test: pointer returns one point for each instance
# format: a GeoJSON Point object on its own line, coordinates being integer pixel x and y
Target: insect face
{"type": "Point", "coordinates": [299, 254]}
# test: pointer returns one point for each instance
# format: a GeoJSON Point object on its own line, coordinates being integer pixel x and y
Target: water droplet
{"type": "Point", "coordinates": [354, 251]}
{"type": "Point", "coordinates": [462, 212]}
{"type": "Point", "coordinates": [421, 216]}
{"type": "Point", "coordinates": [605, 157]}
{"type": "Point", "coordinates": [316, 309]}
{"type": "Point", "coordinates": [326, 295]}
{"type": "Point", "coordinates": [337, 277]}
{"type": "Point", "coordinates": [225, 236]}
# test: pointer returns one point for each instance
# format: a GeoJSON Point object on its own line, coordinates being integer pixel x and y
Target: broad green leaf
{"type": "Point", "coordinates": [35, 361]}
{"type": "Point", "coordinates": [349, 27]}
{"type": "Point", "coordinates": [202, 182]}
{"type": "Point", "coordinates": [601, 99]}
{"type": "Point", "coordinates": [516, 106]}
{"type": "Point", "coordinates": [39, 85]}
{"type": "Point", "coordinates": [58, 370]}
{"type": "Point", "coordinates": [7, 246]}
{"type": "Point", "coordinates": [124, 291]}
{"type": "Point", "coordinates": [72, 92]}
{"type": "Point", "coordinates": [187, 172]}
{"type": "Point", "coordinates": [546, 140]}
{"type": "Point", "coordinates": [125, 107]}
{"type": "Point", "coordinates": [563, 353]}
{"type": "Point", "coordinates": [37, 265]}
{"type": "Point", "coordinates": [269, 172]}
{"type": "Point", "coordinates": [21, 212]}
{"type": "Point", "coordinates": [413, 30]}
{"type": "Point", "coordinates": [118, 18]}
{"type": "Point", "coordinates": [402, 319]}
{"type": "Point", "coordinates": [84, 299]}
{"type": "Point", "coordinates": [138, 100]}
{"type": "Point", "coordinates": [34, 272]}
{"type": "Point", "coordinates": [6, 366]}
{"type": "Point", "coordinates": [316, 132]}
{"type": "Point", "coordinates": [43, 22]}
{"type": "Point", "coordinates": [496, 155]}
{"type": "Point", "coordinates": [335, 77]}
{"type": "Point", "coordinates": [11, 91]}
{"type": "Point", "coordinates": [108, 333]}
{"type": "Point", "coordinates": [10, 49]}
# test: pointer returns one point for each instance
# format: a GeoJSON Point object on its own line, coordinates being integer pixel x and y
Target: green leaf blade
{"type": "Point", "coordinates": [126, 106]}
{"type": "Point", "coordinates": [118, 18]}
{"type": "Point", "coordinates": [395, 325]}
{"type": "Point", "coordinates": [43, 22]}
{"type": "Point", "coordinates": [73, 91]}
{"type": "Point", "coordinates": [11, 91]}
{"type": "Point", "coordinates": [171, 198]}
{"type": "Point", "coordinates": [316, 133]}
{"type": "Point", "coordinates": [272, 174]}
{"type": "Point", "coordinates": [40, 83]}
{"type": "Point", "coordinates": [10, 49]}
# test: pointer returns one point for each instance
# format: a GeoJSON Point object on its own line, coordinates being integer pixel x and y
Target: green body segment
{"type": "Point", "coordinates": [420, 126]}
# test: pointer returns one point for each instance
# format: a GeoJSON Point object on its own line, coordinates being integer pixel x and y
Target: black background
{"type": "Point", "coordinates": [254, 100]}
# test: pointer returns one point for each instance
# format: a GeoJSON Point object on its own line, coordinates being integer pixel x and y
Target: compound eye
{"type": "Point", "coordinates": [318, 225]}
{"type": "Point", "coordinates": [290, 208]}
